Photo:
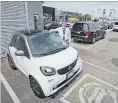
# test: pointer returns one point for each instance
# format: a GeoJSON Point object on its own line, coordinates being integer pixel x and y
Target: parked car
{"type": "Point", "coordinates": [115, 26]}
{"type": "Point", "coordinates": [88, 32]}
{"type": "Point", "coordinates": [45, 59]}
{"type": "Point", "coordinates": [104, 25]}
{"type": "Point", "coordinates": [110, 25]}
{"type": "Point", "coordinates": [52, 25]}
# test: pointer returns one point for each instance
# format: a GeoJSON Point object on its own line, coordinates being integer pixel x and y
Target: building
{"type": "Point", "coordinates": [64, 15]}
{"type": "Point", "coordinates": [58, 15]}
{"type": "Point", "coordinates": [48, 13]}
{"type": "Point", "coordinates": [18, 15]}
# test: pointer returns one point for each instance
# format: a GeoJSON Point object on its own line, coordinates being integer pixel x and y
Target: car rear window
{"type": "Point", "coordinates": [116, 23]}
{"type": "Point", "coordinates": [80, 27]}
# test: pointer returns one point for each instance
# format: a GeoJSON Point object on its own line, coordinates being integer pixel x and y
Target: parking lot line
{"type": "Point", "coordinates": [95, 44]}
{"type": "Point", "coordinates": [103, 82]}
{"type": "Point", "coordinates": [100, 67]}
{"type": "Point", "coordinates": [9, 89]}
{"type": "Point", "coordinates": [92, 45]}
{"type": "Point", "coordinates": [74, 86]}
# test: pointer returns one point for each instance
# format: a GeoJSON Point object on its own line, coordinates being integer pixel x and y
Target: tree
{"type": "Point", "coordinates": [88, 17]}
{"type": "Point", "coordinates": [82, 17]}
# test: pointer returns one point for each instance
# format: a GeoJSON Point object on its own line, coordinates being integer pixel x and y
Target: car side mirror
{"type": "Point", "coordinates": [19, 53]}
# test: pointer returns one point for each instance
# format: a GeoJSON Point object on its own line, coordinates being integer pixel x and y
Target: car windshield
{"type": "Point", "coordinates": [46, 44]}
{"type": "Point", "coordinates": [116, 23]}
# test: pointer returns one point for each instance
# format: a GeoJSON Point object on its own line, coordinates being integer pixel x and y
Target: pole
{"type": "Point", "coordinates": [26, 13]}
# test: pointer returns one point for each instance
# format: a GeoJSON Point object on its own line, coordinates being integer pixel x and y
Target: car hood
{"type": "Point", "coordinates": [57, 60]}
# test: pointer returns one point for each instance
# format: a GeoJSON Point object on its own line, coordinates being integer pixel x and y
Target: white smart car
{"type": "Point", "coordinates": [45, 59]}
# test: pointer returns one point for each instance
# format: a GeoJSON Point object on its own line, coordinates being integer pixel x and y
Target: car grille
{"type": "Point", "coordinates": [57, 86]}
{"type": "Point", "coordinates": [67, 68]}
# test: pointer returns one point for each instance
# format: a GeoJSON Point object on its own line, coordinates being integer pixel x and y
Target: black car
{"type": "Point", "coordinates": [88, 32]}
{"type": "Point", "coordinates": [51, 25]}
{"type": "Point", "coordinates": [104, 25]}
{"type": "Point", "coordinates": [110, 25]}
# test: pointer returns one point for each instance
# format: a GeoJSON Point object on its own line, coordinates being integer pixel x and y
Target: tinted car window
{"type": "Point", "coordinates": [91, 26]}
{"type": "Point", "coordinates": [78, 26]}
{"type": "Point", "coordinates": [98, 26]}
{"type": "Point", "coordinates": [116, 23]}
{"type": "Point", "coordinates": [20, 45]}
{"type": "Point", "coordinates": [85, 27]}
{"type": "Point", "coordinates": [95, 26]}
{"type": "Point", "coordinates": [13, 40]}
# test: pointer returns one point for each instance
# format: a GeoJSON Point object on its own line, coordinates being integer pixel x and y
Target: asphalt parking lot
{"type": "Point", "coordinates": [97, 84]}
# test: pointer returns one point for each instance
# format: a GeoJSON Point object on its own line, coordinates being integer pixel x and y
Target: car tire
{"type": "Point", "coordinates": [75, 40]}
{"type": "Point", "coordinates": [104, 36]}
{"type": "Point", "coordinates": [37, 90]}
{"type": "Point", "coordinates": [11, 64]}
{"type": "Point", "coordinates": [93, 40]}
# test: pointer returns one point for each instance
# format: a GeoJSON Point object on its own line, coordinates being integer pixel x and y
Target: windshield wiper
{"type": "Point", "coordinates": [41, 54]}
{"type": "Point", "coordinates": [55, 51]}
{"type": "Point", "coordinates": [51, 52]}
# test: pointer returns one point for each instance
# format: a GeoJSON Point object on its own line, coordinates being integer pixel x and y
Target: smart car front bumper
{"type": "Point", "coordinates": [58, 81]}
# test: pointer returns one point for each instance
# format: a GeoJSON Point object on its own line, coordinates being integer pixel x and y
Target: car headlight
{"type": "Point", "coordinates": [47, 71]}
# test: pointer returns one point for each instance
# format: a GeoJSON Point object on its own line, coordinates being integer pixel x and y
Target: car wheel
{"type": "Point", "coordinates": [36, 87]}
{"type": "Point", "coordinates": [75, 40]}
{"type": "Point", "coordinates": [93, 40]}
{"type": "Point", "coordinates": [104, 36]}
{"type": "Point", "coordinates": [11, 64]}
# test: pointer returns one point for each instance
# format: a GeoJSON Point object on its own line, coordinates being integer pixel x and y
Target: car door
{"type": "Point", "coordinates": [23, 62]}
{"type": "Point", "coordinates": [12, 49]}
{"type": "Point", "coordinates": [98, 30]}
{"type": "Point", "coordinates": [101, 30]}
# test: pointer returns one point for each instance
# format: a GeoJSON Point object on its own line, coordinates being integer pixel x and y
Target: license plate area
{"type": "Point", "coordinates": [80, 39]}
{"type": "Point", "coordinates": [78, 32]}
{"type": "Point", "coordinates": [70, 74]}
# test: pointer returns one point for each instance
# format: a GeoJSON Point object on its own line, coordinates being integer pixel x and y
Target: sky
{"type": "Point", "coordinates": [85, 7]}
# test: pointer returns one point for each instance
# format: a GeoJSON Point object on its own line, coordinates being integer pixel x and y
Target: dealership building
{"type": "Point", "coordinates": [19, 15]}
{"type": "Point", "coordinates": [48, 13]}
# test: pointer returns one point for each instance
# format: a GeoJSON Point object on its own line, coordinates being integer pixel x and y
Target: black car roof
{"type": "Point", "coordinates": [30, 32]}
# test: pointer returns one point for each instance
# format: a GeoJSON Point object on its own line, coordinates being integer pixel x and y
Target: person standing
{"type": "Point", "coordinates": [64, 33]}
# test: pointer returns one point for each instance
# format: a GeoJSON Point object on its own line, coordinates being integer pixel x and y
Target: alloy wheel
{"type": "Point", "coordinates": [35, 87]}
